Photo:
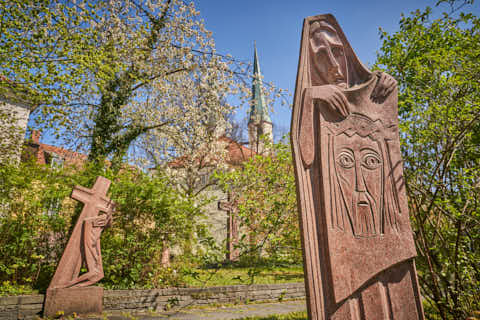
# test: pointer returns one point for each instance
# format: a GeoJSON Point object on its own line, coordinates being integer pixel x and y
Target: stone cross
{"type": "Point", "coordinates": [232, 228]}
{"type": "Point", "coordinates": [356, 234]}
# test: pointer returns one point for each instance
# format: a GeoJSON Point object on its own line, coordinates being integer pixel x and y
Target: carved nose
{"type": "Point", "coordinates": [334, 67]}
{"type": "Point", "coordinates": [359, 183]}
{"type": "Point", "coordinates": [362, 199]}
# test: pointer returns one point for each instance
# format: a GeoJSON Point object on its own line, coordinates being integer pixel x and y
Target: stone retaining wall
{"type": "Point", "coordinates": [29, 307]}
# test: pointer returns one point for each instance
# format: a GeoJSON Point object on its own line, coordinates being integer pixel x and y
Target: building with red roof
{"type": "Point", "coordinates": [49, 154]}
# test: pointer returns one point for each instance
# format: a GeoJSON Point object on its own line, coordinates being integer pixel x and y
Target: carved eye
{"type": "Point", "coordinates": [346, 160]}
{"type": "Point", "coordinates": [371, 161]}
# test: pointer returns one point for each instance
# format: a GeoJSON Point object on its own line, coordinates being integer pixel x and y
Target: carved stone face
{"type": "Point", "coordinates": [327, 54]}
{"type": "Point", "coordinates": [359, 167]}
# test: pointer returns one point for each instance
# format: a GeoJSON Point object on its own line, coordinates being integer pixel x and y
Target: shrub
{"type": "Point", "coordinates": [37, 217]}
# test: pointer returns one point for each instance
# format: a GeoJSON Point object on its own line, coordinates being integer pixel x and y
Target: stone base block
{"type": "Point", "coordinates": [82, 301]}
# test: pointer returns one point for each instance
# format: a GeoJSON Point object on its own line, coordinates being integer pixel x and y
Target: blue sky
{"type": "Point", "coordinates": [276, 27]}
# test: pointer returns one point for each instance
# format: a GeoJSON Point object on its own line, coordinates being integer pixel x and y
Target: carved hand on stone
{"type": "Point", "coordinates": [333, 97]}
{"type": "Point", "coordinates": [385, 85]}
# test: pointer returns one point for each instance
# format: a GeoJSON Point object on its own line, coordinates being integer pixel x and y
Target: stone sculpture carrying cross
{"type": "Point", "coordinates": [83, 247]}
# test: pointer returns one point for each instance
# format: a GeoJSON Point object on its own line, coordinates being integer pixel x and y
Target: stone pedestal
{"type": "Point", "coordinates": [82, 301]}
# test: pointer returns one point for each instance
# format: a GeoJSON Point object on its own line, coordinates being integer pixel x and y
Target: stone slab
{"type": "Point", "coordinates": [33, 299]}
{"type": "Point", "coordinates": [82, 301]}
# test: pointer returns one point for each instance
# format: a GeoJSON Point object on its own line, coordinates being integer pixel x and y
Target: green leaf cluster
{"type": "Point", "coordinates": [50, 51]}
{"type": "Point", "coordinates": [437, 66]}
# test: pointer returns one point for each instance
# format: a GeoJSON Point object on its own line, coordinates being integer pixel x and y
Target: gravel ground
{"type": "Point", "coordinates": [216, 313]}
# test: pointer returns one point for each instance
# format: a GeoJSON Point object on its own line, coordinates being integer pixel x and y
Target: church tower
{"type": "Point", "coordinates": [259, 123]}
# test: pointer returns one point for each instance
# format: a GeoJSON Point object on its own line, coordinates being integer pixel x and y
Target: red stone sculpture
{"type": "Point", "coordinates": [356, 235]}
{"type": "Point", "coordinates": [232, 229]}
{"type": "Point", "coordinates": [83, 249]}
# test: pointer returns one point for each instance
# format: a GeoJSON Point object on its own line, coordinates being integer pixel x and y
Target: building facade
{"type": "Point", "coordinates": [15, 109]}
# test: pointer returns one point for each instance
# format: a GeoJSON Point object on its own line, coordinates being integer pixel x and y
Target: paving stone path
{"type": "Point", "coordinates": [219, 313]}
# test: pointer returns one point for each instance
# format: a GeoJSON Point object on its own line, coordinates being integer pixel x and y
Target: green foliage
{"type": "Point", "coordinates": [232, 275]}
{"type": "Point", "coordinates": [31, 238]}
{"type": "Point", "coordinates": [37, 216]}
{"type": "Point", "coordinates": [264, 190]}
{"type": "Point", "coordinates": [48, 51]}
{"type": "Point", "coordinates": [436, 63]}
{"type": "Point", "coordinates": [153, 217]}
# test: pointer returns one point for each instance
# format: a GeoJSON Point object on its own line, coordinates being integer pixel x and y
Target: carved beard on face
{"type": "Point", "coordinates": [359, 169]}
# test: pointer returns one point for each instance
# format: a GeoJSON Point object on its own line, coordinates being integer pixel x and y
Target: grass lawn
{"type": "Point", "coordinates": [226, 276]}
{"type": "Point", "coordinates": [234, 276]}
{"type": "Point", "coordinates": [289, 316]}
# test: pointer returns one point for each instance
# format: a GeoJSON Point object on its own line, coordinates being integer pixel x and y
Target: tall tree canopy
{"type": "Point", "coordinates": [108, 72]}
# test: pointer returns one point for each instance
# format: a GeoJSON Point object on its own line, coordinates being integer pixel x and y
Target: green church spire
{"type": "Point", "coordinates": [258, 109]}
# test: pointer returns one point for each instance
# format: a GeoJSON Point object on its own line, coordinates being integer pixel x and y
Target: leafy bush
{"type": "Point", "coordinates": [37, 216]}
{"type": "Point", "coordinates": [264, 190]}
{"type": "Point", "coordinates": [31, 238]}
{"type": "Point", "coordinates": [154, 216]}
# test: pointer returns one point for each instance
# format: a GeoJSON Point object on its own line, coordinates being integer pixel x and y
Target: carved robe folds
{"type": "Point", "coordinates": [357, 240]}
